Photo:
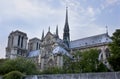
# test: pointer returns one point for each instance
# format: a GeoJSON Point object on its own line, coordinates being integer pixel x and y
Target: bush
{"type": "Point", "coordinates": [52, 70]}
{"type": "Point", "coordinates": [13, 75]}
{"type": "Point", "coordinates": [19, 64]}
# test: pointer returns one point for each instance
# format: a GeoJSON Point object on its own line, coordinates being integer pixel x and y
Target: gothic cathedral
{"type": "Point", "coordinates": [50, 49]}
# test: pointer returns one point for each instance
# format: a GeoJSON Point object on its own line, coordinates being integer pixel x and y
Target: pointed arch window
{"type": "Point", "coordinates": [22, 42]}
{"type": "Point", "coordinates": [18, 40]}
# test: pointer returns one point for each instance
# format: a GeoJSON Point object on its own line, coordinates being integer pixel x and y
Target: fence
{"type": "Point", "coordinates": [104, 75]}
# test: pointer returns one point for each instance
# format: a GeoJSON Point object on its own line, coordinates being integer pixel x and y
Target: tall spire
{"type": "Point", "coordinates": [57, 31]}
{"type": "Point", "coordinates": [42, 35]}
{"type": "Point", "coordinates": [66, 35]}
{"type": "Point", "coordinates": [66, 20]}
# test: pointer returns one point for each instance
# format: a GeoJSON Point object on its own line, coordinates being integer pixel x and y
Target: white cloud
{"type": "Point", "coordinates": [90, 11]}
{"type": "Point", "coordinates": [109, 3]}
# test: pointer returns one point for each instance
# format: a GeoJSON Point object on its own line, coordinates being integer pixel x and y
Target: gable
{"type": "Point", "coordinates": [49, 36]}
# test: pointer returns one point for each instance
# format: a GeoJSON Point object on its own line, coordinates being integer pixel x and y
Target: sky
{"type": "Point", "coordinates": [86, 18]}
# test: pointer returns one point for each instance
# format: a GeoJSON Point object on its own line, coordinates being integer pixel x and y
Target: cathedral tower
{"type": "Point", "coordinates": [34, 44]}
{"type": "Point", "coordinates": [66, 35]}
{"type": "Point", "coordinates": [17, 42]}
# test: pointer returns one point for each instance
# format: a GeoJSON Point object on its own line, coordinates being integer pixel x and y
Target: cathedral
{"type": "Point", "coordinates": [50, 49]}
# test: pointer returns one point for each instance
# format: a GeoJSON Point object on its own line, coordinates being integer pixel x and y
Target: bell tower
{"type": "Point", "coordinates": [17, 42]}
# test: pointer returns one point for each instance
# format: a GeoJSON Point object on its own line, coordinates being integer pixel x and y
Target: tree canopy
{"type": "Point", "coordinates": [22, 65]}
{"type": "Point", "coordinates": [114, 59]}
{"type": "Point", "coordinates": [85, 61]}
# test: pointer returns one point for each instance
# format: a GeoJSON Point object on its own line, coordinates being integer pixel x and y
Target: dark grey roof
{"type": "Point", "coordinates": [89, 41]}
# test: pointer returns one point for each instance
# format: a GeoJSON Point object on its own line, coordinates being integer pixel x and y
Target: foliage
{"type": "Point", "coordinates": [13, 75]}
{"type": "Point", "coordinates": [52, 70]}
{"type": "Point", "coordinates": [20, 64]}
{"type": "Point", "coordinates": [86, 61]}
{"type": "Point", "coordinates": [2, 62]}
{"type": "Point", "coordinates": [102, 68]}
{"type": "Point", "coordinates": [70, 65]}
{"type": "Point", "coordinates": [114, 60]}
{"type": "Point", "coordinates": [89, 61]}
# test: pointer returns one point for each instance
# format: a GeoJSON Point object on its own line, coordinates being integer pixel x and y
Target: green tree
{"type": "Point", "coordinates": [22, 65]}
{"type": "Point", "coordinates": [89, 61]}
{"type": "Point", "coordinates": [69, 65]}
{"type": "Point", "coordinates": [114, 59]}
{"type": "Point", "coordinates": [52, 70]}
{"type": "Point", "coordinates": [85, 61]}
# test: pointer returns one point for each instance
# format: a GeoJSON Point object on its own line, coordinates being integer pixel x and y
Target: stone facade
{"type": "Point", "coordinates": [17, 42]}
{"type": "Point", "coordinates": [34, 44]}
{"type": "Point", "coordinates": [47, 57]}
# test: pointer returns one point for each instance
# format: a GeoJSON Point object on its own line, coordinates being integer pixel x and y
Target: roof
{"type": "Point", "coordinates": [35, 38]}
{"type": "Point", "coordinates": [18, 32]}
{"type": "Point", "coordinates": [60, 50]}
{"type": "Point", "coordinates": [48, 33]}
{"type": "Point", "coordinates": [34, 53]}
{"type": "Point", "coordinates": [89, 41]}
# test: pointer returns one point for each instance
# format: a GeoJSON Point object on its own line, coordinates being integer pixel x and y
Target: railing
{"type": "Point", "coordinates": [103, 75]}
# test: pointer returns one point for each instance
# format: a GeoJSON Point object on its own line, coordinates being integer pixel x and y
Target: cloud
{"type": "Point", "coordinates": [109, 3]}
{"type": "Point", "coordinates": [90, 11]}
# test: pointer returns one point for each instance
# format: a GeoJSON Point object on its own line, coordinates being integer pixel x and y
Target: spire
{"type": "Point", "coordinates": [66, 20]}
{"type": "Point", "coordinates": [66, 35]}
{"type": "Point", "coordinates": [42, 35]}
{"type": "Point", "coordinates": [57, 31]}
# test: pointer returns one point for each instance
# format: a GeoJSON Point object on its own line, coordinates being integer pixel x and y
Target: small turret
{"type": "Point", "coordinates": [57, 32]}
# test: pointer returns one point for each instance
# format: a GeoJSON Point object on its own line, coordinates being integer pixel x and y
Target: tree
{"type": "Point", "coordinates": [22, 65]}
{"type": "Point", "coordinates": [89, 61]}
{"type": "Point", "coordinates": [85, 61]}
{"type": "Point", "coordinates": [114, 59]}
{"type": "Point", "coordinates": [52, 70]}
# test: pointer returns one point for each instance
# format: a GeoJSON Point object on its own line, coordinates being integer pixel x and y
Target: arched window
{"type": "Point", "coordinates": [22, 42]}
{"type": "Point", "coordinates": [18, 40]}
{"type": "Point", "coordinates": [12, 40]}
{"type": "Point", "coordinates": [37, 46]}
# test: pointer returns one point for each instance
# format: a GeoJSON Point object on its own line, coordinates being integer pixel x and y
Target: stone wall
{"type": "Point", "coordinates": [107, 75]}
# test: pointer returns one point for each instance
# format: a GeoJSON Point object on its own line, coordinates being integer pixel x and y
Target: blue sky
{"type": "Point", "coordinates": [86, 17]}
